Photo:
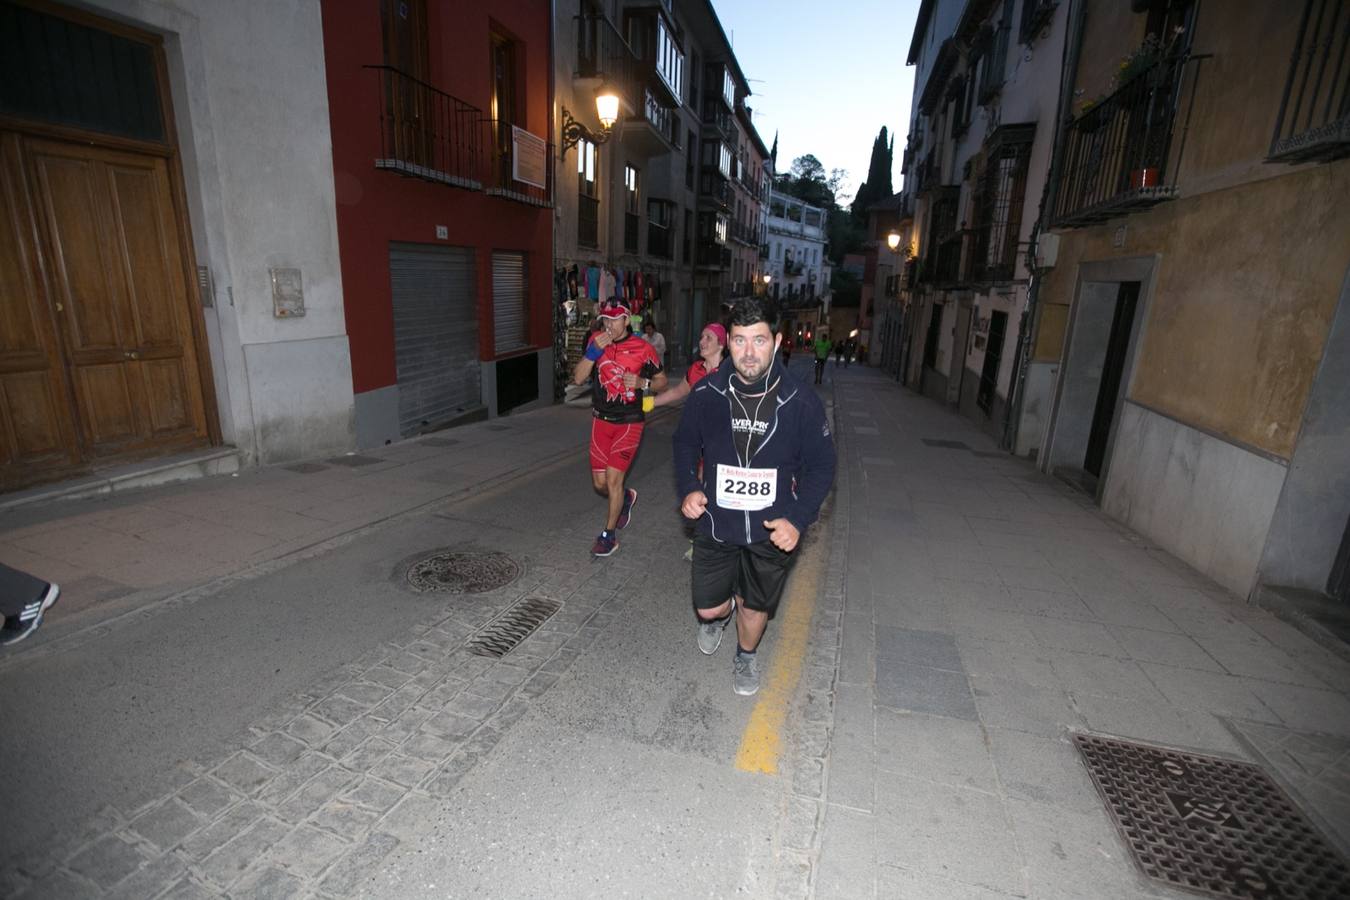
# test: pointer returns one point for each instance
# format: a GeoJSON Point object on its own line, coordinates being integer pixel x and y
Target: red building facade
{"type": "Point", "coordinates": [442, 158]}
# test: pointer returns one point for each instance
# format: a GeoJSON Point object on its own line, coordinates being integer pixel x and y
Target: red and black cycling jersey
{"type": "Point", "coordinates": [610, 399]}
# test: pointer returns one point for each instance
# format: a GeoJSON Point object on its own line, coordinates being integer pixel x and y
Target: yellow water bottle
{"type": "Point", "coordinates": [648, 403]}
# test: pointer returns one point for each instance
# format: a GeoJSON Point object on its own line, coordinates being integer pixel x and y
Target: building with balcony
{"type": "Point", "coordinates": [795, 242]}
{"type": "Point", "coordinates": [1193, 307]}
{"type": "Point", "coordinates": [751, 175]}
{"type": "Point", "coordinates": [656, 194]}
{"type": "Point", "coordinates": [975, 168]}
{"type": "Point", "coordinates": [441, 149]}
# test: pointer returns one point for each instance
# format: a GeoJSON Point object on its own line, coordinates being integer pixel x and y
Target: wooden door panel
{"type": "Point", "coordinates": [129, 342]}
{"type": "Point", "coordinates": [87, 275]}
{"type": "Point", "coordinates": [153, 276]}
{"type": "Point", "coordinates": [107, 406]}
{"type": "Point", "coordinates": [167, 392]}
{"type": "Point", "coordinates": [34, 419]}
{"type": "Point", "coordinates": [36, 427]}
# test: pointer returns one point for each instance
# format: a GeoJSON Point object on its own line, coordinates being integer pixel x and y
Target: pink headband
{"type": "Point", "coordinates": [718, 331]}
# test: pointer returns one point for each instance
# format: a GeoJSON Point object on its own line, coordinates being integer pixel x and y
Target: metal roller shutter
{"type": "Point", "coordinates": [435, 334]}
{"type": "Point", "coordinates": [508, 301]}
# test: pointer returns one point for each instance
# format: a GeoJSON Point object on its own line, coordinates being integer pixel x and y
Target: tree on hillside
{"type": "Point", "coordinates": [878, 184]}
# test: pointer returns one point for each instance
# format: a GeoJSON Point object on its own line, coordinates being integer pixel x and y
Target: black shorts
{"type": "Point", "coordinates": [755, 572]}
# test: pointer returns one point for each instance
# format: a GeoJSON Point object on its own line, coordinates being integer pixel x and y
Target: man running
{"type": "Point", "coordinates": [768, 463]}
{"type": "Point", "coordinates": [626, 370]}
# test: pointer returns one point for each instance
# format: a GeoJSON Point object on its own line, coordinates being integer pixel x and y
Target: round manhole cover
{"type": "Point", "coordinates": [463, 572]}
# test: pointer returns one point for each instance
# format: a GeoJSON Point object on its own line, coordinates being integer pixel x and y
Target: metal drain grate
{"type": "Point", "coordinates": [463, 572]}
{"type": "Point", "coordinates": [950, 445]}
{"type": "Point", "coordinates": [499, 428]}
{"type": "Point", "coordinates": [990, 454]}
{"type": "Point", "coordinates": [355, 460]}
{"type": "Point", "coordinates": [1217, 826]}
{"type": "Point", "coordinates": [440, 442]}
{"type": "Point", "coordinates": [305, 468]}
{"type": "Point", "coordinates": [519, 622]}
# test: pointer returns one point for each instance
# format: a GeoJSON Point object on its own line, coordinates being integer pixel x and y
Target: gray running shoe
{"type": "Point", "coordinates": [745, 674]}
{"type": "Point", "coordinates": [710, 633]}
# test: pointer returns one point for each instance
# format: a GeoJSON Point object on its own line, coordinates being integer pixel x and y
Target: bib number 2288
{"type": "Point", "coordinates": [747, 489]}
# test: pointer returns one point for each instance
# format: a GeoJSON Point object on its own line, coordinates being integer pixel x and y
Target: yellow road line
{"type": "Point", "coordinates": [762, 740]}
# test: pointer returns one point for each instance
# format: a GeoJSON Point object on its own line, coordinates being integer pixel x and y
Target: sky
{"type": "Point", "coordinates": [826, 76]}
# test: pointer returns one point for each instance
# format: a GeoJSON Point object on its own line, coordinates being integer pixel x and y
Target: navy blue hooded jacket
{"type": "Point", "coordinates": [797, 444]}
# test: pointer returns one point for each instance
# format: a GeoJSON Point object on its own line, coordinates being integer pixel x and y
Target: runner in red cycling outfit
{"type": "Point", "coordinates": [626, 369]}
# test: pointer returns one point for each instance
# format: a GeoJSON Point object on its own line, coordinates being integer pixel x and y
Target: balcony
{"type": "Point", "coordinates": [652, 133]}
{"type": "Point", "coordinates": [603, 56]}
{"type": "Point", "coordinates": [744, 234]}
{"type": "Point", "coordinates": [661, 61]}
{"type": "Point", "coordinates": [1314, 121]}
{"type": "Point", "coordinates": [721, 122]}
{"type": "Point", "coordinates": [713, 190]}
{"type": "Point", "coordinates": [1117, 153]}
{"type": "Point", "coordinates": [659, 242]}
{"type": "Point", "coordinates": [428, 134]}
{"type": "Point", "coordinates": [588, 221]}
{"type": "Point", "coordinates": [713, 256]}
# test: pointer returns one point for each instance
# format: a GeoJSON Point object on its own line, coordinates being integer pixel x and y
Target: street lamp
{"type": "Point", "coordinates": [606, 110]}
{"type": "Point", "coordinates": [893, 239]}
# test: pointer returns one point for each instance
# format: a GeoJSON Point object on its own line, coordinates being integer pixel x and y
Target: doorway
{"type": "Point", "coordinates": [1094, 374]}
{"type": "Point", "coordinates": [1117, 348]}
{"type": "Point", "coordinates": [100, 338]}
{"type": "Point", "coordinates": [960, 344]}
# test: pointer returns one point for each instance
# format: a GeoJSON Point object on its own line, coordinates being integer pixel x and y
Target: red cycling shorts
{"type": "Point", "coordinates": [614, 444]}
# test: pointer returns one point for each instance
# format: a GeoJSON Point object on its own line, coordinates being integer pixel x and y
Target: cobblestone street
{"type": "Point", "coordinates": [309, 726]}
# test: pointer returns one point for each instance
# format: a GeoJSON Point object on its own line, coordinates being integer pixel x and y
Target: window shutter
{"type": "Point", "coordinates": [508, 301]}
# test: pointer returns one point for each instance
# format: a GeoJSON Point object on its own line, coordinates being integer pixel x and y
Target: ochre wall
{"type": "Point", "coordinates": [1245, 289]}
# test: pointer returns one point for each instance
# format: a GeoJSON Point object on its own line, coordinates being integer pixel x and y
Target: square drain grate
{"type": "Point", "coordinates": [440, 442]}
{"type": "Point", "coordinates": [950, 445]}
{"type": "Point", "coordinates": [355, 460]}
{"type": "Point", "coordinates": [505, 633]}
{"type": "Point", "coordinates": [1217, 826]}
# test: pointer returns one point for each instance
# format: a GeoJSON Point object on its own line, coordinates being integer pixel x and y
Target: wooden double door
{"type": "Point", "coordinates": [98, 349]}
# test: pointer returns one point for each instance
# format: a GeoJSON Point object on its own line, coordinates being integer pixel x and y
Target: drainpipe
{"type": "Point", "coordinates": [1073, 44]}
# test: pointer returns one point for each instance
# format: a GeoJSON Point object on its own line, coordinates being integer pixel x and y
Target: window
{"type": "Point", "coordinates": [630, 183]}
{"type": "Point", "coordinates": [660, 215]}
{"type": "Point", "coordinates": [998, 204]}
{"type": "Point", "coordinates": [1035, 15]}
{"type": "Point", "coordinates": [691, 147]}
{"type": "Point", "coordinates": [588, 202]}
{"type": "Point", "coordinates": [669, 59]}
{"type": "Point", "coordinates": [510, 306]}
{"type": "Point", "coordinates": [728, 87]}
{"type": "Point", "coordinates": [991, 80]}
{"type": "Point", "coordinates": [632, 220]}
{"type": "Point", "coordinates": [504, 103]}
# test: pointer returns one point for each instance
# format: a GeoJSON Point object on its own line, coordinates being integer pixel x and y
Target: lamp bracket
{"type": "Point", "coordinates": [573, 131]}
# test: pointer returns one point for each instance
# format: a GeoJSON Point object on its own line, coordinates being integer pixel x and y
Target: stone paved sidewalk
{"type": "Point", "coordinates": [989, 612]}
{"type": "Point", "coordinates": [125, 551]}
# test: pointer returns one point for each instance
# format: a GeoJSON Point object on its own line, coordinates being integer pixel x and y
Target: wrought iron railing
{"type": "Point", "coordinates": [1117, 152]}
{"type": "Point", "coordinates": [632, 226]}
{"type": "Point", "coordinates": [1314, 120]}
{"type": "Point", "coordinates": [603, 53]}
{"type": "Point", "coordinates": [659, 242]}
{"type": "Point", "coordinates": [427, 133]}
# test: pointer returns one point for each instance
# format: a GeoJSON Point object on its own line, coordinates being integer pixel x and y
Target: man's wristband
{"type": "Point", "coordinates": [593, 352]}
